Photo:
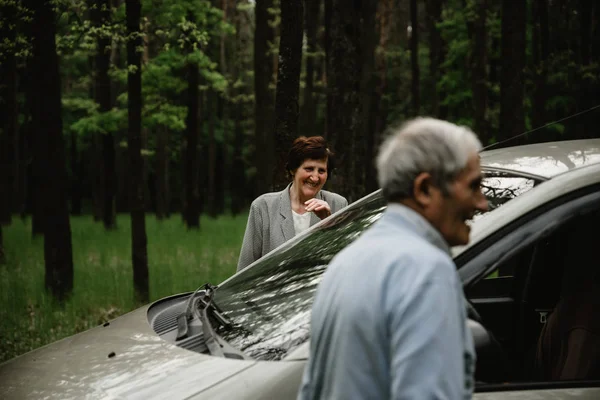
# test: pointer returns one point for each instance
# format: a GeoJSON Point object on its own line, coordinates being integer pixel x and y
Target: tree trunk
{"type": "Point", "coordinates": [9, 134]}
{"type": "Point", "coordinates": [478, 69]}
{"type": "Point", "coordinates": [95, 161]}
{"type": "Point", "coordinates": [540, 59]}
{"type": "Point", "coordinates": [328, 10]}
{"type": "Point", "coordinates": [219, 173]}
{"type": "Point", "coordinates": [494, 60]}
{"type": "Point", "coordinates": [596, 34]}
{"type": "Point", "coordinates": [223, 107]}
{"type": "Point", "coordinates": [512, 83]}
{"type": "Point", "coordinates": [586, 11]}
{"type": "Point", "coordinates": [288, 86]}
{"type": "Point", "coordinates": [380, 107]}
{"type": "Point", "coordinates": [5, 186]}
{"type": "Point", "coordinates": [238, 179]}
{"type": "Point", "coordinates": [309, 104]}
{"type": "Point", "coordinates": [343, 84]}
{"type": "Point", "coordinates": [414, 59]}
{"type": "Point", "coordinates": [204, 113]}
{"type": "Point", "coordinates": [96, 177]}
{"type": "Point", "coordinates": [106, 166]}
{"type": "Point", "coordinates": [122, 164]}
{"type": "Point", "coordinates": [595, 59]}
{"type": "Point", "coordinates": [26, 202]}
{"type": "Point", "coordinates": [364, 143]}
{"type": "Point", "coordinates": [134, 145]}
{"type": "Point", "coordinates": [49, 151]}
{"type": "Point", "coordinates": [2, 252]}
{"type": "Point", "coordinates": [76, 176]}
{"type": "Point", "coordinates": [436, 57]}
{"type": "Point", "coordinates": [149, 199]}
{"type": "Point", "coordinates": [34, 195]}
{"type": "Point", "coordinates": [162, 173]}
{"type": "Point", "coordinates": [238, 176]}
{"type": "Point", "coordinates": [6, 156]}
{"type": "Point", "coordinates": [263, 108]}
{"type": "Point", "coordinates": [23, 166]}
{"type": "Point", "coordinates": [211, 158]}
{"type": "Point", "coordinates": [109, 181]}
{"type": "Point", "coordinates": [192, 193]}
{"type": "Point", "coordinates": [587, 95]}
{"type": "Point", "coordinates": [121, 158]}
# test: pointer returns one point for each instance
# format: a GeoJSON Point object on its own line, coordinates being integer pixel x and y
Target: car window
{"type": "Point", "coordinates": [501, 186]}
{"type": "Point", "coordinates": [545, 321]}
{"type": "Point", "coordinates": [562, 295]}
{"type": "Point", "coordinates": [269, 304]}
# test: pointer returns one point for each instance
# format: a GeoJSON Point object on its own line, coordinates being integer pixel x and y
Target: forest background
{"type": "Point", "coordinates": [134, 134]}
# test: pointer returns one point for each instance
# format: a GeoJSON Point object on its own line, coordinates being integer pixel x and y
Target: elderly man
{"type": "Point", "coordinates": [389, 319]}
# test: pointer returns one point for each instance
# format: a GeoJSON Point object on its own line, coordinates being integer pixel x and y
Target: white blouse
{"type": "Point", "coordinates": [301, 221]}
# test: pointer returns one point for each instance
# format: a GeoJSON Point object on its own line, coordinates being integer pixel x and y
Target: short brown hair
{"type": "Point", "coordinates": [309, 148]}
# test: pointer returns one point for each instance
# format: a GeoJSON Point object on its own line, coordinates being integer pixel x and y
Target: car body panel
{"type": "Point", "coordinates": [278, 380]}
{"type": "Point", "coordinates": [543, 394]}
{"type": "Point", "coordinates": [143, 366]}
{"type": "Point", "coordinates": [544, 159]}
{"type": "Point", "coordinates": [264, 380]}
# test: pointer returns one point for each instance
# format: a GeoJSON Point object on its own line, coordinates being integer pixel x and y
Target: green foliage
{"type": "Point", "coordinates": [174, 34]}
{"type": "Point", "coordinates": [215, 80]}
{"type": "Point", "coordinates": [558, 128]}
{"type": "Point", "coordinates": [189, 25]}
{"type": "Point", "coordinates": [77, 104]}
{"type": "Point", "coordinates": [455, 83]}
{"type": "Point", "coordinates": [162, 115]}
{"type": "Point", "coordinates": [14, 21]}
{"type": "Point", "coordinates": [101, 122]}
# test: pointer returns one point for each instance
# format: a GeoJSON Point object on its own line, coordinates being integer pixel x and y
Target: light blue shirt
{"type": "Point", "coordinates": [389, 318]}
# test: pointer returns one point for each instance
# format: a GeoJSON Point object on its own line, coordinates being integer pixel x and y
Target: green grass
{"type": "Point", "coordinates": [179, 260]}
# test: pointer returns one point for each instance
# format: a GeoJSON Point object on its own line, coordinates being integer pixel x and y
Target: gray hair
{"type": "Point", "coordinates": [421, 145]}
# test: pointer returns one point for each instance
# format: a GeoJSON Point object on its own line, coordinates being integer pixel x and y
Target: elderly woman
{"type": "Point", "coordinates": [279, 216]}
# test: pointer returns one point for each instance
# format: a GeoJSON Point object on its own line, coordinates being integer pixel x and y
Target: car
{"type": "Point", "coordinates": [247, 338]}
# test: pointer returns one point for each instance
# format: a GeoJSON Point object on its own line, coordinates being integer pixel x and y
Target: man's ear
{"type": "Point", "coordinates": [423, 189]}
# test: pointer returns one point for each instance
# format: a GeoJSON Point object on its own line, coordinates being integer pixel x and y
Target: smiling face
{"type": "Point", "coordinates": [450, 212]}
{"type": "Point", "coordinates": [310, 177]}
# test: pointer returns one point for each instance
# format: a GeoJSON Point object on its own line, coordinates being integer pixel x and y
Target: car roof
{"type": "Point", "coordinates": [545, 160]}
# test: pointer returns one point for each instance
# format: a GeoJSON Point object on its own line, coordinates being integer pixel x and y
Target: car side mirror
{"type": "Point", "coordinates": [481, 337]}
{"type": "Point", "coordinates": [492, 364]}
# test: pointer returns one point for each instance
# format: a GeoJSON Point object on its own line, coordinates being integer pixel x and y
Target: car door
{"type": "Point", "coordinates": [493, 297]}
{"type": "Point", "coordinates": [514, 282]}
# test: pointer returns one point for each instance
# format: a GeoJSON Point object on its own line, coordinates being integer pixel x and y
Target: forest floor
{"type": "Point", "coordinates": [179, 261]}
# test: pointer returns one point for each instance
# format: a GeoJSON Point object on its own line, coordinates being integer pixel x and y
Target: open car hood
{"type": "Point", "coordinates": [121, 359]}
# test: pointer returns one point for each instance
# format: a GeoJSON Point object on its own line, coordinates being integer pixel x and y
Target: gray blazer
{"type": "Point", "coordinates": [271, 224]}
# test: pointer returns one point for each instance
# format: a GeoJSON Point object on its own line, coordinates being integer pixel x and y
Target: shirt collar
{"type": "Point", "coordinates": [398, 213]}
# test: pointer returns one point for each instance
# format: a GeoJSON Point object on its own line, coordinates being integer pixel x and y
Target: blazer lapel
{"type": "Point", "coordinates": [285, 210]}
{"type": "Point", "coordinates": [313, 217]}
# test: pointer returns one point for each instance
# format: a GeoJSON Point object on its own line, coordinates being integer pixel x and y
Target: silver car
{"type": "Point", "coordinates": [248, 337]}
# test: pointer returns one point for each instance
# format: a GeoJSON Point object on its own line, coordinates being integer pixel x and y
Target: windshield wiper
{"type": "Point", "coordinates": [184, 318]}
{"type": "Point", "coordinates": [201, 307]}
{"type": "Point", "coordinates": [210, 337]}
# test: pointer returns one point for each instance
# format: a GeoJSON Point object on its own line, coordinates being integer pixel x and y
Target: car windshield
{"type": "Point", "coordinates": [270, 303]}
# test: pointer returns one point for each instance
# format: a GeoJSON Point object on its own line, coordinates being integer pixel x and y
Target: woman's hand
{"type": "Point", "coordinates": [319, 207]}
